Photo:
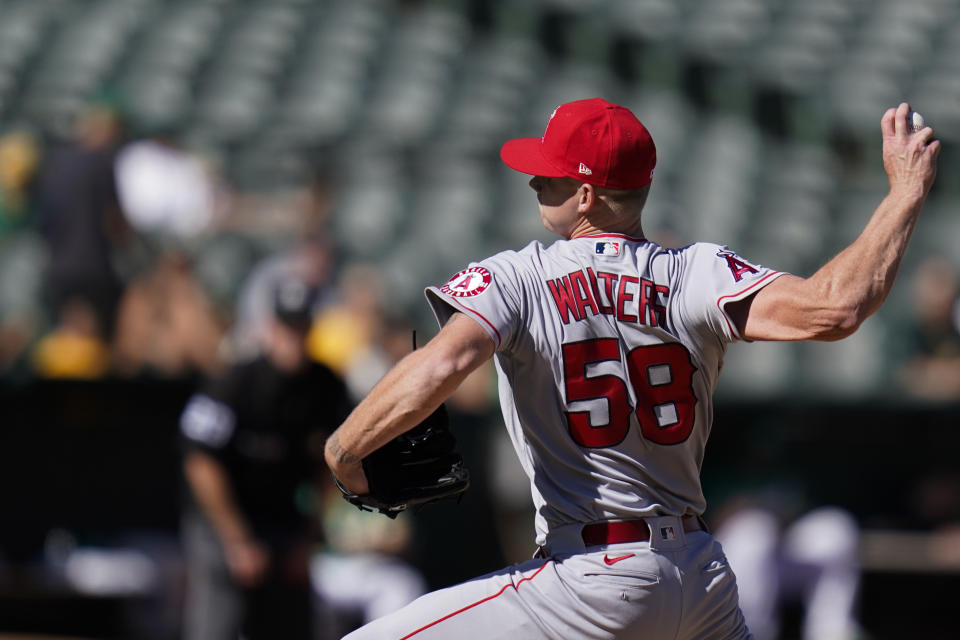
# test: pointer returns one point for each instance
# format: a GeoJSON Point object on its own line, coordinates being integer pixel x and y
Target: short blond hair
{"type": "Point", "coordinates": [624, 201]}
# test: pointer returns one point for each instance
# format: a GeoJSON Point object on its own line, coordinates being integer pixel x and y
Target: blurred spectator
{"type": "Point", "coordinates": [811, 560]}
{"type": "Point", "coordinates": [347, 329]}
{"type": "Point", "coordinates": [309, 260]}
{"type": "Point", "coordinates": [931, 367]}
{"type": "Point", "coordinates": [22, 256]}
{"type": "Point", "coordinates": [166, 190]}
{"type": "Point", "coordinates": [253, 450]}
{"type": "Point", "coordinates": [284, 210]}
{"type": "Point", "coordinates": [75, 347]}
{"type": "Point", "coordinates": [362, 574]}
{"type": "Point", "coordinates": [357, 336]}
{"type": "Point", "coordinates": [935, 506]}
{"type": "Point", "coordinates": [166, 325]}
{"type": "Point", "coordinates": [19, 160]}
{"type": "Point", "coordinates": [80, 217]}
{"type": "Point", "coordinates": [393, 339]}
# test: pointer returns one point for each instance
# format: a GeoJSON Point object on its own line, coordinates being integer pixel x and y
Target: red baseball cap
{"type": "Point", "coordinates": [592, 141]}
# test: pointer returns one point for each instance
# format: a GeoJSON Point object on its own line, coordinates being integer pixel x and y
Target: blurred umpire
{"type": "Point", "coordinates": [253, 449]}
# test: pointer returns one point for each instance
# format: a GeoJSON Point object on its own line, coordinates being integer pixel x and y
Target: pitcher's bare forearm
{"type": "Point", "coordinates": [346, 466]}
{"type": "Point", "coordinates": [340, 455]}
{"type": "Point", "coordinates": [839, 296]}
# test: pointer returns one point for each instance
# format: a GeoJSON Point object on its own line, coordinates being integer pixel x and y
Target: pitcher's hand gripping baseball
{"type": "Point", "coordinates": [909, 154]}
{"type": "Point", "coordinates": [415, 468]}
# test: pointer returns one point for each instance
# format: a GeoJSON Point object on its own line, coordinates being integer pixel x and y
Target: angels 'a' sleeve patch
{"type": "Point", "coordinates": [468, 283]}
{"type": "Point", "coordinates": [737, 265]}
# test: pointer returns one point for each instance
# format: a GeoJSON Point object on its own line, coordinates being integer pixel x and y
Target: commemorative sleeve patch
{"type": "Point", "coordinates": [468, 283]}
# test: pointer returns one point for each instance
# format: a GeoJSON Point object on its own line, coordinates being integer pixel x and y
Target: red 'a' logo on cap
{"type": "Point", "coordinates": [737, 266]}
{"type": "Point", "coordinates": [549, 121]}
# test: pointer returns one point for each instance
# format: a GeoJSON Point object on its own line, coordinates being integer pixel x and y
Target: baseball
{"type": "Point", "coordinates": [914, 122]}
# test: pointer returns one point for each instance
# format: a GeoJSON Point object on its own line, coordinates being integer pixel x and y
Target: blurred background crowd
{"type": "Point", "coordinates": [158, 150]}
{"type": "Point", "coordinates": [164, 164]}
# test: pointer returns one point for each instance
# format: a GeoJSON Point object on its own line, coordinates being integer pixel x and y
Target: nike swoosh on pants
{"type": "Point", "coordinates": [608, 560]}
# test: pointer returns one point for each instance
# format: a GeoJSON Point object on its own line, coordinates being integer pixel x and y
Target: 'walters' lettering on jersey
{"type": "Point", "coordinates": [628, 298]}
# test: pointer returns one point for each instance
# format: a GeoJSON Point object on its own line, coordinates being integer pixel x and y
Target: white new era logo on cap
{"type": "Point", "coordinates": [585, 170]}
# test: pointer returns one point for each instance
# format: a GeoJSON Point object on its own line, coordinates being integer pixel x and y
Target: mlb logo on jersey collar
{"type": "Point", "coordinates": [668, 533]}
{"type": "Point", "coordinates": [607, 248]}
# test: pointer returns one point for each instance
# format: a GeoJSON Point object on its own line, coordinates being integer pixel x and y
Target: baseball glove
{"type": "Point", "coordinates": [415, 468]}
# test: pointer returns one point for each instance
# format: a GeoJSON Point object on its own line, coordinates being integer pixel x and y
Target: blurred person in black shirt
{"type": "Point", "coordinates": [928, 342]}
{"type": "Point", "coordinates": [80, 216]}
{"type": "Point", "coordinates": [253, 442]}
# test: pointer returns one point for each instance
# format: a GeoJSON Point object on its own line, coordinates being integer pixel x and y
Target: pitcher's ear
{"type": "Point", "coordinates": [586, 196]}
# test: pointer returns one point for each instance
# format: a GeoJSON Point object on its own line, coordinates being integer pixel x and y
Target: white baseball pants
{"type": "Point", "coordinates": [679, 588]}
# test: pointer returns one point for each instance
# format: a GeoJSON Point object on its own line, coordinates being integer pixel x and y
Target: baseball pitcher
{"type": "Point", "coordinates": [608, 348]}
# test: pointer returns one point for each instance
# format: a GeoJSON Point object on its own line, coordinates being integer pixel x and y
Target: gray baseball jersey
{"type": "Point", "coordinates": [608, 353]}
